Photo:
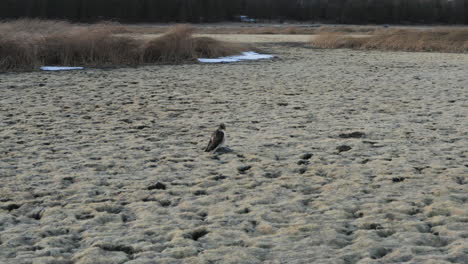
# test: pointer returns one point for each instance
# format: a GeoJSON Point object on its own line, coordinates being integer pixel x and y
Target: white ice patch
{"type": "Point", "coordinates": [249, 55]}
{"type": "Point", "coordinates": [56, 68]}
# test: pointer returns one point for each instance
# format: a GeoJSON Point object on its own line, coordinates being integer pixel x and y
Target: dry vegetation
{"type": "Point", "coordinates": [292, 30]}
{"type": "Point", "coordinates": [281, 29]}
{"type": "Point", "coordinates": [178, 45]}
{"type": "Point", "coordinates": [27, 44]}
{"type": "Point", "coordinates": [254, 29]}
{"type": "Point", "coordinates": [436, 40]}
{"type": "Point", "coordinates": [259, 30]}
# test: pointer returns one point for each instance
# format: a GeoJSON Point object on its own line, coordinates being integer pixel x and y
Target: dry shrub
{"type": "Point", "coordinates": [211, 48]}
{"type": "Point", "coordinates": [286, 30]}
{"type": "Point", "coordinates": [35, 26]}
{"type": "Point", "coordinates": [97, 45]}
{"type": "Point", "coordinates": [44, 27]}
{"type": "Point", "coordinates": [91, 47]}
{"type": "Point", "coordinates": [437, 40]}
{"type": "Point", "coordinates": [111, 27]}
{"type": "Point", "coordinates": [335, 41]}
{"type": "Point", "coordinates": [19, 51]}
{"type": "Point", "coordinates": [178, 45]}
{"type": "Point", "coordinates": [76, 47]}
{"type": "Point", "coordinates": [348, 29]}
{"type": "Point", "coordinates": [174, 46]}
{"type": "Point", "coordinates": [144, 29]}
{"type": "Point", "coordinates": [26, 44]}
{"type": "Point", "coordinates": [248, 29]}
{"type": "Point", "coordinates": [292, 30]}
{"type": "Point", "coordinates": [157, 29]}
{"type": "Point", "coordinates": [264, 30]}
{"type": "Point", "coordinates": [22, 41]}
{"type": "Point", "coordinates": [272, 30]}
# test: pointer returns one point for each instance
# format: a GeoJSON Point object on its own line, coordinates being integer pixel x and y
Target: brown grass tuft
{"type": "Point", "coordinates": [255, 29]}
{"type": "Point", "coordinates": [210, 48]}
{"type": "Point", "coordinates": [65, 44]}
{"type": "Point", "coordinates": [35, 26]}
{"type": "Point", "coordinates": [19, 51]}
{"type": "Point", "coordinates": [174, 46]}
{"type": "Point", "coordinates": [83, 46]}
{"type": "Point", "coordinates": [436, 40]}
{"type": "Point", "coordinates": [335, 41]}
{"type": "Point", "coordinates": [92, 47]}
{"type": "Point", "coordinates": [348, 29]}
{"type": "Point", "coordinates": [178, 45]}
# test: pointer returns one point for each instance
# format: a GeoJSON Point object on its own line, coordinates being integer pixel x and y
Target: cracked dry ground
{"type": "Point", "coordinates": [338, 156]}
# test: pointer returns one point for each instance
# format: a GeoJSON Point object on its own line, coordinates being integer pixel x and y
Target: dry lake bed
{"type": "Point", "coordinates": [336, 156]}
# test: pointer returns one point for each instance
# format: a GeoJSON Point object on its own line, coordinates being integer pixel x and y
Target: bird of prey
{"type": "Point", "coordinates": [217, 139]}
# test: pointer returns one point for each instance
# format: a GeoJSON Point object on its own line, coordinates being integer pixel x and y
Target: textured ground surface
{"type": "Point", "coordinates": [81, 154]}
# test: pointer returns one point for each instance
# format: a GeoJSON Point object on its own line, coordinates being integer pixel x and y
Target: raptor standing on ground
{"type": "Point", "coordinates": [217, 139]}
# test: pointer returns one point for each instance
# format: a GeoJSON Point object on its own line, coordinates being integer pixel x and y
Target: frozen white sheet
{"type": "Point", "coordinates": [249, 55]}
{"type": "Point", "coordinates": [56, 68]}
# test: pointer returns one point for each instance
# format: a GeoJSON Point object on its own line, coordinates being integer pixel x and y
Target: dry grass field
{"type": "Point", "coordinates": [27, 44]}
{"type": "Point", "coordinates": [335, 156]}
{"type": "Point", "coordinates": [437, 40]}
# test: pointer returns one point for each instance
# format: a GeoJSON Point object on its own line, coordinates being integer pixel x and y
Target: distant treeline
{"type": "Point", "coordinates": [333, 11]}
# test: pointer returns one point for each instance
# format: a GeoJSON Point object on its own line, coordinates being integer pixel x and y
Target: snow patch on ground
{"type": "Point", "coordinates": [249, 55]}
{"type": "Point", "coordinates": [57, 68]}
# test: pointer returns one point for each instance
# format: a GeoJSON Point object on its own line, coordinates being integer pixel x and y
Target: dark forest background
{"type": "Point", "coordinates": [328, 11]}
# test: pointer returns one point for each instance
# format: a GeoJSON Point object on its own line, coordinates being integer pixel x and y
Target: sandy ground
{"type": "Point", "coordinates": [107, 165]}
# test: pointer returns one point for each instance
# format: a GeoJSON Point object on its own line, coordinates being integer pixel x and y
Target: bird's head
{"type": "Point", "coordinates": [222, 126]}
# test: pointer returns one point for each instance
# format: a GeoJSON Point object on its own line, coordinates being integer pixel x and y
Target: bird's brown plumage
{"type": "Point", "coordinates": [217, 139]}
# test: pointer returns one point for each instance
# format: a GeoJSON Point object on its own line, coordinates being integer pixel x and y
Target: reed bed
{"type": "Point", "coordinates": [434, 40]}
{"type": "Point", "coordinates": [28, 44]}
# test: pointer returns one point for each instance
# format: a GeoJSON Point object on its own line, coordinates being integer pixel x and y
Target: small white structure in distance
{"type": "Point", "coordinates": [247, 19]}
{"type": "Point", "coordinates": [58, 68]}
{"type": "Point", "coordinates": [249, 55]}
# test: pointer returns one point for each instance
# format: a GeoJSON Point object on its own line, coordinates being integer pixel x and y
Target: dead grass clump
{"type": "Point", "coordinates": [210, 48]}
{"type": "Point", "coordinates": [178, 45]}
{"type": "Point", "coordinates": [336, 41]}
{"type": "Point", "coordinates": [292, 30]}
{"type": "Point", "coordinates": [91, 47]}
{"type": "Point", "coordinates": [112, 27]}
{"type": "Point", "coordinates": [438, 40]}
{"type": "Point", "coordinates": [289, 30]}
{"type": "Point", "coordinates": [35, 26]}
{"type": "Point", "coordinates": [26, 44]}
{"type": "Point", "coordinates": [77, 47]}
{"type": "Point", "coordinates": [97, 45]}
{"type": "Point", "coordinates": [247, 29]}
{"type": "Point", "coordinates": [174, 46]}
{"type": "Point", "coordinates": [19, 51]}
{"type": "Point", "coordinates": [45, 27]}
{"type": "Point", "coordinates": [348, 29]}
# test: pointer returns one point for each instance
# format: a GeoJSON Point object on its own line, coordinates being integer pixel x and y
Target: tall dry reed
{"type": "Point", "coordinates": [28, 44]}
{"type": "Point", "coordinates": [436, 40]}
